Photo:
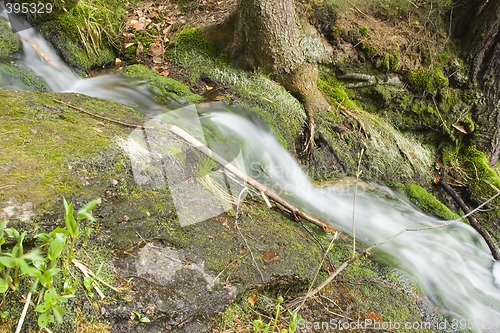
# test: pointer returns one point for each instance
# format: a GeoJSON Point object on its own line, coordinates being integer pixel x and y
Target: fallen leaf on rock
{"type": "Point", "coordinates": [269, 255]}
{"type": "Point", "coordinates": [374, 316]}
{"type": "Point", "coordinates": [252, 299]}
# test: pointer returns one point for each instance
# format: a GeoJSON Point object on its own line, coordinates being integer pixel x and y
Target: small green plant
{"type": "Point", "coordinates": [140, 318]}
{"type": "Point", "coordinates": [259, 326]}
{"type": "Point", "coordinates": [50, 308]}
{"type": "Point", "coordinates": [38, 268]}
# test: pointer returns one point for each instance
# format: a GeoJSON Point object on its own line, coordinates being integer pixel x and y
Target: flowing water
{"type": "Point", "coordinates": [449, 261]}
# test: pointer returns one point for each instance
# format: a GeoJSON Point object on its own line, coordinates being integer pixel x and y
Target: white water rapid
{"type": "Point", "coordinates": [452, 264]}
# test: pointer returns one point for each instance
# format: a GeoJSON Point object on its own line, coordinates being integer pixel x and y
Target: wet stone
{"type": "Point", "coordinates": [171, 288]}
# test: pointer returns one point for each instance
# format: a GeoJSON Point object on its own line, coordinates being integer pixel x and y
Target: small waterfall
{"type": "Point", "coordinates": [449, 261]}
{"type": "Point", "coordinates": [43, 61]}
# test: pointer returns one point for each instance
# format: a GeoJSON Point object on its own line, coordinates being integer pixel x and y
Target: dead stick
{"type": "Point", "coordinates": [243, 176]}
{"type": "Point", "coordinates": [96, 115]}
{"type": "Point", "coordinates": [472, 220]}
{"type": "Point", "coordinates": [23, 314]}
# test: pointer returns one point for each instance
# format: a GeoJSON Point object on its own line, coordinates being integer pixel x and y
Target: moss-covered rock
{"type": "Point", "coordinates": [163, 88]}
{"type": "Point", "coordinates": [84, 33]}
{"type": "Point", "coordinates": [428, 203]}
{"type": "Point", "coordinates": [10, 44]}
{"type": "Point", "coordinates": [423, 81]}
{"type": "Point", "coordinates": [484, 183]}
{"type": "Point", "coordinates": [19, 77]}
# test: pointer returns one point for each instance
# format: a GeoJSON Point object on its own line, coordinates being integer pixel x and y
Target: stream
{"type": "Point", "coordinates": [449, 262]}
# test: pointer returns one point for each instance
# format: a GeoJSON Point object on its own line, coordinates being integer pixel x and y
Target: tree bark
{"type": "Point", "coordinates": [477, 26]}
{"type": "Point", "coordinates": [264, 36]}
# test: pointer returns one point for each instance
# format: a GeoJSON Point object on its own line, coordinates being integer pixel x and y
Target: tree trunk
{"type": "Point", "coordinates": [265, 36]}
{"type": "Point", "coordinates": [478, 28]}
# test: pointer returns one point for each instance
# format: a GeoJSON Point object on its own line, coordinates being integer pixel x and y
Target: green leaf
{"type": "Point", "coordinates": [44, 319]}
{"type": "Point", "coordinates": [69, 218]}
{"type": "Point", "coordinates": [85, 212]}
{"type": "Point", "coordinates": [56, 247]}
{"type": "Point", "coordinates": [3, 286]}
{"type": "Point", "coordinates": [34, 256]}
{"type": "Point", "coordinates": [8, 262]}
{"type": "Point", "coordinates": [3, 225]}
{"type": "Point", "coordinates": [144, 320]}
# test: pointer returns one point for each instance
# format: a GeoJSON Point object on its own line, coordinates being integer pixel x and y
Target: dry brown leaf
{"type": "Point", "coordinates": [460, 128]}
{"type": "Point", "coordinates": [128, 35]}
{"type": "Point", "coordinates": [128, 45]}
{"type": "Point", "coordinates": [374, 316]}
{"type": "Point", "coordinates": [118, 62]}
{"type": "Point", "coordinates": [158, 59]}
{"type": "Point", "coordinates": [219, 98]}
{"type": "Point", "coordinates": [269, 255]}
{"type": "Point", "coordinates": [252, 299]}
{"type": "Point", "coordinates": [140, 49]}
{"type": "Point", "coordinates": [155, 49]}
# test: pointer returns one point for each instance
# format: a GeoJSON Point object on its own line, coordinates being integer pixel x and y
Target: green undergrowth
{"type": "Point", "coordinates": [84, 34]}
{"type": "Point", "coordinates": [282, 112]}
{"type": "Point", "coordinates": [165, 89]}
{"type": "Point", "coordinates": [46, 269]}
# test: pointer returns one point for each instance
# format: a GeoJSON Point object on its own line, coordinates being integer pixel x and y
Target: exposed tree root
{"type": "Point", "coordinates": [472, 220]}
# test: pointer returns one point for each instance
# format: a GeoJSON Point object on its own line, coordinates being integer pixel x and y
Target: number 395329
{"type": "Point", "coordinates": [36, 8]}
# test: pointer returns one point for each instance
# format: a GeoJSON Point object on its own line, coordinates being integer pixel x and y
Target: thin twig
{"type": "Point", "coordinates": [96, 115]}
{"type": "Point", "coordinates": [23, 313]}
{"type": "Point", "coordinates": [237, 216]}
{"type": "Point", "coordinates": [371, 248]}
{"type": "Point", "coordinates": [330, 246]}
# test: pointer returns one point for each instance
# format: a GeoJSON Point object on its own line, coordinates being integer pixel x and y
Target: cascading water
{"type": "Point", "coordinates": [449, 261]}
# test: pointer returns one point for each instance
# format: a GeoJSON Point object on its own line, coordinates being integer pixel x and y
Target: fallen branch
{"type": "Point", "coordinates": [244, 177]}
{"type": "Point", "coordinates": [472, 220]}
{"type": "Point", "coordinates": [96, 115]}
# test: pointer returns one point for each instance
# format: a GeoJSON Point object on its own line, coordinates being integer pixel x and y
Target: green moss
{"type": "Point", "coordinates": [428, 203]}
{"type": "Point", "coordinates": [425, 82]}
{"type": "Point", "coordinates": [195, 39]}
{"type": "Point", "coordinates": [334, 89]}
{"type": "Point", "coordinates": [485, 181]}
{"type": "Point", "coordinates": [283, 114]}
{"type": "Point", "coordinates": [20, 78]}
{"type": "Point", "coordinates": [48, 149]}
{"type": "Point", "coordinates": [164, 88]}
{"type": "Point", "coordinates": [9, 41]}
{"type": "Point", "coordinates": [364, 31]}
